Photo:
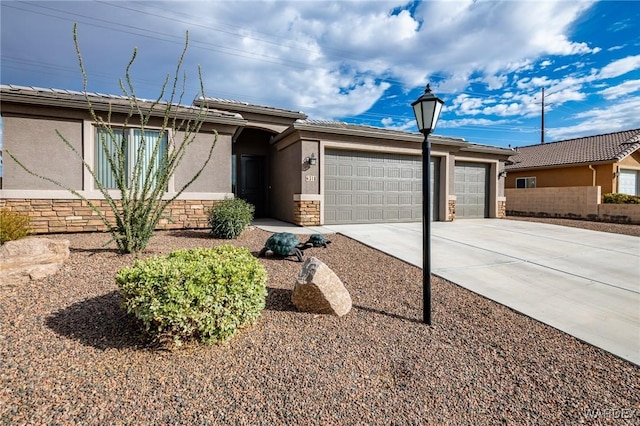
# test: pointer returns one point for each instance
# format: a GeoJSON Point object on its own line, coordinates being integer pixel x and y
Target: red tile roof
{"type": "Point", "coordinates": [610, 147]}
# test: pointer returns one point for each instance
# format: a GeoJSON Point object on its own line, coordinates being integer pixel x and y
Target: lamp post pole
{"type": "Point", "coordinates": [426, 229]}
{"type": "Point", "coordinates": [427, 110]}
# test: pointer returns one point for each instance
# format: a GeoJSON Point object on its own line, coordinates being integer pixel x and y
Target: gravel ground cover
{"type": "Point", "coordinates": [615, 228]}
{"type": "Point", "coordinates": [69, 355]}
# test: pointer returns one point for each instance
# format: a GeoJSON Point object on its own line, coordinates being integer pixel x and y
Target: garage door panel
{"type": "Point", "coordinates": [345, 170]}
{"type": "Point", "coordinates": [362, 171]}
{"type": "Point", "coordinates": [361, 185]}
{"type": "Point", "coordinates": [377, 186]}
{"type": "Point", "coordinates": [344, 199]}
{"type": "Point", "coordinates": [390, 192]}
{"type": "Point", "coordinates": [377, 172]}
{"type": "Point", "coordinates": [406, 186]}
{"type": "Point", "coordinates": [376, 199]}
{"type": "Point", "coordinates": [391, 199]}
{"type": "Point", "coordinates": [405, 199]}
{"type": "Point", "coordinates": [471, 186]}
{"type": "Point", "coordinates": [344, 185]}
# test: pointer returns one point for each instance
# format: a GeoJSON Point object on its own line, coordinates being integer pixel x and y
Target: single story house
{"type": "Point", "coordinates": [303, 171]}
{"type": "Point", "coordinates": [611, 161]}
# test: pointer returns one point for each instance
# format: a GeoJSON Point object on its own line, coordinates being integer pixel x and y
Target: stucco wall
{"type": "Point", "coordinates": [34, 142]}
{"type": "Point", "coordinates": [567, 177]}
{"type": "Point", "coordinates": [30, 134]}
{"type": "Point", "coordinates": [568, 202]}
{"type": "Point", "coordinates": [631, 161]}
{"type": "Point", "coordinates": [216, 177]}
{"type": "Point", "coordinates": [285, 180]}
{"type": "Point", "coordinates": [310, 176]}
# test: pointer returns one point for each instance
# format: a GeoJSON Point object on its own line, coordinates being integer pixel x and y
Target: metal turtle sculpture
{"type": "Point", "coordinates": [317, 240]}
{"type": "Point", "coordinates": [283, 244]}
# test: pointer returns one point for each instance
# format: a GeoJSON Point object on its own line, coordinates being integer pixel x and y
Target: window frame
{"type": "Point", "coordinates": [529, 182]}
{"type": "Point", "coordinates": [92, 150]}
{"type": "Point", "coordinates": [622, 170]}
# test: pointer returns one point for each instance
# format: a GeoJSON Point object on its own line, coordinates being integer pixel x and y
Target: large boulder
{"type": "Point", "coordinates": [319, 290]}
{"type": "Point", "coordinates": [32, 257]}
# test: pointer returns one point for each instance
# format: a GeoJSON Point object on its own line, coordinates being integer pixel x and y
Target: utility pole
{"type": "Point", "coordinates": [542, 123]}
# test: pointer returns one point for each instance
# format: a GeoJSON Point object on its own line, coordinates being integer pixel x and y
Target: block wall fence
{"type": "Point", "coordinates": [576, 202]}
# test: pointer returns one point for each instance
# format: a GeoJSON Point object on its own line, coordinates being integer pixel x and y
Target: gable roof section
{"type": "Point", "coordinates": [610, 147]}
{"type": "Point", "coordinates": [341, 128]}
{"type": "Point", "coordinates": [240, 107]}
{"type": "Point", "coordinates": [101, 102]}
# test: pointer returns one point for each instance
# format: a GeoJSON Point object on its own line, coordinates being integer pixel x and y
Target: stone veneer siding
{"type": "Point", "coordinates": [451, 205]}
{"type": "Point", "coordinates": [60, 216]}
{"type": "Point", "coordinates": [306, 213]}
{"type": "Point", "coordinates": [502, 209]}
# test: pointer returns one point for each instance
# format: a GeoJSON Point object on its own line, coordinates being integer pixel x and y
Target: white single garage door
{"type": "Point", "coordinates": [365, 187]}
{"type": "Point", "coordinates": [628, 182]}
{"type": "Point", "coordinates": [471, 182]}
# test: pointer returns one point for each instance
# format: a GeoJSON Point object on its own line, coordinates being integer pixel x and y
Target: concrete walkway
{"type": "Point", "coordinates": [585, 283]}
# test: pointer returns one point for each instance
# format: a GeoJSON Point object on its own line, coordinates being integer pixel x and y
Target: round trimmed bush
{"type": "Point", "coordinates": [203, 293]}
{"type": "Point", "coordinates": [230, 217]}
{"type": "Point", "coordinates": [618, 198]}
{"type": "Point", "coordinates": [13, 226]}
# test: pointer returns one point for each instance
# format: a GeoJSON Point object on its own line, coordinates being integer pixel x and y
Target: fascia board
{"type": "Point", "coordinates": [100, 105]}
{"type": "Point", "coordinates": [511, 168]}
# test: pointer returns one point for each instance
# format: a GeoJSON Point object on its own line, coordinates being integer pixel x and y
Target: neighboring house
{"type": "Point", "coordinates": [611, 161]}
{"type": "Point", "coordinates": [301, 171]}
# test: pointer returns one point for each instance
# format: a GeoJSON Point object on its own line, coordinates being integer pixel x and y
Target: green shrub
{"type": "Point", "coordinates": [204, 294]}
{"type": "Point", "coordinates": [13, 226]}
{"type": "Point", "coordinates": [617, 198]}
{"type": "Point", "coordinates": [230, 217]}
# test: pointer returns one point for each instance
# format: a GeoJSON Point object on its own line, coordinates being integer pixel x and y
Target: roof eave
{"type": "Point", "coordinates": [511, 168]}
{"type": "Point", "coordinates": [180, 111]}
{"type": "Point", "coordinates": [486, 149]}
{"type": "Point", "coordinates": [256, 109]}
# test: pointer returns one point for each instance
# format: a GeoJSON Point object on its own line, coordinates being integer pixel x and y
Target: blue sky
{"type": "Point", "coordinates": [356, 61]}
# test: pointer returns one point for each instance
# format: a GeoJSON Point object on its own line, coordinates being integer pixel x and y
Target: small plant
{"type": "Point", "coordinates": [618, 198]}
{"type": "Point", "coordinates": [230, 217]}
{"type": "Point", "coordinates": [205, 294]}
{"type": "Point", "coordinates": [13, 226]}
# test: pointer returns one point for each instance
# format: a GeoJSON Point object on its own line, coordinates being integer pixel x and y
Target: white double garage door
{"type": "Point", "coordinates": [365, 187]}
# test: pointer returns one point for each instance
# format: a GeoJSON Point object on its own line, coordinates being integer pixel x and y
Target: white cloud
{"type": "Point", "coordinates": [620, 67]}
{"type": "Point", "coordinates": [403, 125]}
{"type": "Point", "coordinates": [465, 122]}
{"type": "Point", "coordinates": [326, 50]}
{"type": "Point", "coordinates": [626, 88]}
{"type": "Point", "coordinates": [621, 115]}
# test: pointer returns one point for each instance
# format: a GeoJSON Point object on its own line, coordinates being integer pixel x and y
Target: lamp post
{"type": "Point", "coordinates": [427, 110]}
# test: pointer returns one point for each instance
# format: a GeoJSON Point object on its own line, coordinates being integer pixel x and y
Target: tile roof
{"type": "Point", "coordinates": [350, 126]}
{"type": "Point", "coordinates": [610, 147]}
{"type": "Point", "coordinates": [245, 106]}
{"type": "Point", "coordinates": [100, 101]}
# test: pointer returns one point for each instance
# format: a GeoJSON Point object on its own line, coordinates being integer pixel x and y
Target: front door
{"type": "Point", "coordinates": [253, 182]}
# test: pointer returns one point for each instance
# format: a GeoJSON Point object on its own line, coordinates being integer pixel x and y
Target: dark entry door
{"type": "Point", "coordinates": [253, 182]}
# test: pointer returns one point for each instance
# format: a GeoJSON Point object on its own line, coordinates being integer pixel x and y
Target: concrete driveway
{"type": "Point", "coordinates": [585, 283]}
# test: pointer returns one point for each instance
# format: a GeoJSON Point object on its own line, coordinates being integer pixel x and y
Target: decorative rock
{"type": "Point", "coordinates": [33, 257]}
{"type": "Point", "coordinates": [319, 290]}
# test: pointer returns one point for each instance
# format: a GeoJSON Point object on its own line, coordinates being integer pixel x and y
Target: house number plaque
{"type": "Point", "coordinates": [310, 178]}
